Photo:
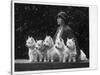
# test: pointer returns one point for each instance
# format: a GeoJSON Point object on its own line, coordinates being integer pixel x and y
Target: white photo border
{"type": "Point", "coordinates": [93, 53]}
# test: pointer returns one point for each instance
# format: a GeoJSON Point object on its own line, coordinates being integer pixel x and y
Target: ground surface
{"type": "Point", "coordinates": [24, 65]}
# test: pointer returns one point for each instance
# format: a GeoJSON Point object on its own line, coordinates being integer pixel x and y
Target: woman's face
{"type": "Point", "coordinates": [60, 21]}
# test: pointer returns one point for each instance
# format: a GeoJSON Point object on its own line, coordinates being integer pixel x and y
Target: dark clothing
{"type": "Point", "coordinates": [65, 33]}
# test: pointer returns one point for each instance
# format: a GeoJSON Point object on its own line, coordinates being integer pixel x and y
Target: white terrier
{"type": "Point", "coordinates": [39, 48]}
{"type": "Point", "coordinates": [52, 52]}
{"type": "Point", "coordinates": [72, 51]}
{"type": "Point", "coordinates": [70, 43]}
{"type": "Point", "coordinates": [59, 44]}
{"type": "Point", "coordinates": [30, 43]}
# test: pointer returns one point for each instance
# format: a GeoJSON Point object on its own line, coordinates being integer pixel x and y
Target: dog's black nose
{"type": "Point", "coordinates": [44, 45]}
{"type": "Point", "coordinates": [36, 47]}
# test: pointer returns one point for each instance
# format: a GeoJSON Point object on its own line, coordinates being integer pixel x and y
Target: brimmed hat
{"type": "Point", "coordinates": [63, 15]}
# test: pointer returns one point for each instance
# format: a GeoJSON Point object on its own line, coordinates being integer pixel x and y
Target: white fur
{"type": "Point", "coordinates": [51, 50]}
{"type": "Point", "coordinates": [59, 44]}
{"type": "Point", "coordinates": [30, 43]}
{"type": "Point", "coordinates": [71, 50]}
{"type": "Point", "coordinates": [39, 46]}
{"type": "Point", "coordinates": [58, 50]}
{"type": "Point", "coordinates": [83, 56]}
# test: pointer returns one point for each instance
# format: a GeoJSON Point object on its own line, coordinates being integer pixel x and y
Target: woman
{"type": "Point", "coordinates": [64, 31]}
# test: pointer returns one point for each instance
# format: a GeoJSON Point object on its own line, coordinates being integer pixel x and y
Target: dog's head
{"type": "Point", "coordinates": [48, 41]}
{"type": "Point", "coordinates": [39, 44]}
{"type": "Point", "coordinates": [30, 42]}
{"type": "Point", "coordinates": [70, 43]}
{"type": "Point", "coordinates": [59, 43]}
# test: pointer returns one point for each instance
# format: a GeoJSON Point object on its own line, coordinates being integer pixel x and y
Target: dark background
{"type": "Point", "coordinates": [40, 20]}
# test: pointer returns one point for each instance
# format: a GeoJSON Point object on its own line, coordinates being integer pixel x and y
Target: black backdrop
{"type": "Point", "coordinates": [40, 20]}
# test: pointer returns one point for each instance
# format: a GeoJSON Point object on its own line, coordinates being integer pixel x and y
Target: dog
{"type": "Point", "coordinates": [39, 48]}
{"type": "Point", "coordinates": [70, 44]}
{"type": "Point", "coordinates": [30, 43]}
{"type": "Point", "coordinates": [52, 52]}
{"type": "Point", "coordinates": [59, 44]}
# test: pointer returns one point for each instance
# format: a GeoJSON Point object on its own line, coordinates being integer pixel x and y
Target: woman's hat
{"type": "Point", "coordinates": [63, 15]}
